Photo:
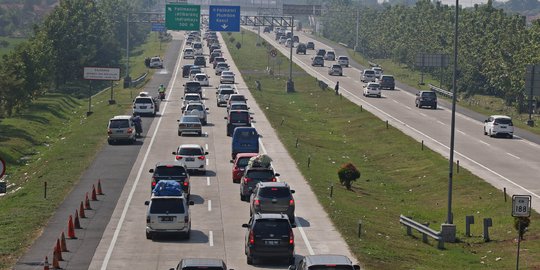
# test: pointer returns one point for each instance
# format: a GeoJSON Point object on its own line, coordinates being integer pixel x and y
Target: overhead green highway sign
{"type": "Point", "coordinates": [182, 17]}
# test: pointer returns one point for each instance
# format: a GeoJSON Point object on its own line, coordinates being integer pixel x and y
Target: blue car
{"type": "Point", "coordinates": [245, 140]}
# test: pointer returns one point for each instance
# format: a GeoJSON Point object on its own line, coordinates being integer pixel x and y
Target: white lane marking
{"type": "Point", "coordinates": [513, 155]}
{"type": "Point", "coordinates": [406, 107]}
{"type": "Point", "coordinates": [441, 123]}
{"type": "Point", "coordinates": [209, 205]}
{"type": "Point", "coordinates": [132, 191]}
{"type": "Point", "coordinates": [351, 95]}
{"type": "Point", "coordinates": [211, 238]}
{"type": "Point", "coordinates": [461, 132]}
{"type": "Point", "coordinates": [206, 162]}
{"type": "Point", "coordinates": [206, 146]}
{"type": "Point", "coordinates": [207, 181]}
{"type": "Point", "coordinates": [423, 114]}
{"type": "Point", "coordinates": [483, 142]}
{"type": "Point", "coordinates": [395, 101]}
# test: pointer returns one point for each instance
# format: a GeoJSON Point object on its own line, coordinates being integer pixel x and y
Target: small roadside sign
{"type": "Point", "coordinates": [273, 52]}
{"type": "Point", "coordinates": [183, 17]}
{"type": "Point", "coordinates": [101, 73]}
{"type": "Point", "coordinates": [2, 168]}
{"type": "Point", "coordinates": [224, 18]}
{"type": "Point", "coordinates": [521, 205]}
{"type": "Point", "coordinates": [158, 27]}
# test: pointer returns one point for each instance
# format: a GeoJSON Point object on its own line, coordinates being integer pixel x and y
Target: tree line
{"type": "Point", "coordinates": [75, 34]}
{"type": "Point", "coordinates": [494, 47]}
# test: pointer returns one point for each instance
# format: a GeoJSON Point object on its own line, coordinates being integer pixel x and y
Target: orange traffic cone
{"type": "Point", "coordinates": [58, 250]}
{"type": "Point", "coordinates": [71, 228]}
{"type": "Point", "coordinates": [46, 263]}
{"type": "Point", "coordinates": [63, 245]}
{"type": "Point", "coordinates": [99, 190]}
{"type": "Point", "coordinates": [87, 203]}
{"type": "Point", "coordinates": [77, 222]}
{"type": "Point", "coordinates": [55, 263]}
{"type": "Point", "coordinates": [81, 210]}
{"type": "Point", "coordinates": [94, 197]}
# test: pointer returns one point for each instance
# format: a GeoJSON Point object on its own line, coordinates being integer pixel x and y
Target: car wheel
{"type": "Point", "coordinates": [149, 235]}
{"type": "Point", "coordinates": [434, 107]}
{"type": "Point", "coordinates": [485, 133]}
{"type": "Point", "coordinates": [249, 260]}
{"type": "Point", "coordinates": [379, 96]}
{"type": "Point", "coordinates": [204, 123]}
{"type": "Point", "coordinates": [416, 105]}
{"type": "Point", "coordinates": [179, 133]}
{"type": "Point", "coordinates": [510, 136]}
{"type": "Point", "coordinates": [110, 142]}
{"type": "Point", "coordinates": [199, 133]}
{"type": "Point", "coordinates": [490, 133]}
{"type": "Point", "coordinates": [292, 260]}
{"type": "Point", "coordinates": [187, 235]}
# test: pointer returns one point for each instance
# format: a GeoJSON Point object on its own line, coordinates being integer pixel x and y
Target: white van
{"type": "Point", "coordinates": [499, 125]}
{"type": "Point", "coordinates": [145, 104]}
{"type": "Point", "coordinates": [198, 48]}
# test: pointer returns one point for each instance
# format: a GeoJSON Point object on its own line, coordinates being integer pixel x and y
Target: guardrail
{"type": "Point", "coordinates": [373, 64]}
{"type": "Point", "coordinates": [139, 80]}
{"type": "Point", "coordinates": [344, 45]}
{"type": "Point", "coordinates": [441, 91]}
{"type": "Point", "coordinates": [425, 230]}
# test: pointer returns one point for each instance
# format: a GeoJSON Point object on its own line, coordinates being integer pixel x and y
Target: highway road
{"type": "Point", "coordinates": [505, 163]}
{"type": "Point", "coordinates": [218, 213]}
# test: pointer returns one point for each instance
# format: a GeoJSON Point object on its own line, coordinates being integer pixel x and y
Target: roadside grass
{"type": "Point", "coordinates": [51, 141]}
{"type": "Point", "coordinates": [12, 43]}
{"type": "Point", "coordinates": [397, 178]}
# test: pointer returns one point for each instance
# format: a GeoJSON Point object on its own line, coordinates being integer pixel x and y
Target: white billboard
{"type": "Point", "coordinates": [101, 73]}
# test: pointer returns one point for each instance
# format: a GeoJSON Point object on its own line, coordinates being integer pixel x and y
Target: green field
{"type": "Point", "coordinates": [52, 141]}
{"type": "Point", "coordinates": [398, 177]}
{"type": "Point", "coordinates": [11, 44]}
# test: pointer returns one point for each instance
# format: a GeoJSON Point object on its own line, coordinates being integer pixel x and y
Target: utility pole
{"type": "Point", "coordinates": [127, 79]}
{"type": "Point", "coordinates": [357, 27]}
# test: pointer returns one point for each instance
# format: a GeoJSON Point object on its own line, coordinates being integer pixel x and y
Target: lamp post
{"type": "Point", "coordinates": [127, 79]}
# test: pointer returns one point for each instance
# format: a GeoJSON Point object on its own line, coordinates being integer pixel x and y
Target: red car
{"type": "Point", "coordinates": [239, 164]}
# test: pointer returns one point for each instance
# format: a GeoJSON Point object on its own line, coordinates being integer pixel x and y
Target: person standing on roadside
{"type": "Point", "coordinates": [336, 88]}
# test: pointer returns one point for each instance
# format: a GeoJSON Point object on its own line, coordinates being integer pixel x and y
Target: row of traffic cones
{"type": "Point", "coordinates": [72, 225]}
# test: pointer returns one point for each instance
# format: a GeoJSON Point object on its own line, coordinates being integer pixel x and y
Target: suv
{"type": "Point", "coordinates": [252, 176]}
{"type": "Point", "coordinates": [236, 98]}
{"type": "Point", "coordinates": [321, 52]}
{"type": "Point", "coordinates": [324, 261]}
{"type": "Point", "coordinates": [387, 82]}
{"type": "Point", "coordinates": [372, 89]}
{"type": "Point", "coordinates": [378, 72]}
{"type": "Point", "coordinates": [239, 165]}
{"type": "Point", "coordinates": [121, 128]}
{"type": "Point", "coordinates": [301, 48]}
{"type": "Point", "coordinates": [330, 56]}
{"type": "Point", "coordinates": [185, 70]}
{"type": "Point", "coordinates": [200, 61]}
{"type": "Point", "coordinates": [310, 45]}
{"type": "Point", "coordinates": [343, 61]}
{"type": "Point", "coordinates": [199, 110]}
{"type": "Point", "coordinates": [335, 70]}
{"type": "Point", "coordinates": [368, 75]}
{"type": "Point", "coordinates": [497, 125]}
{"type": "Point", "coordinates": [217, 60]}
{"type": "Point", "coordinates": [222, 66]}
{"type": "Point", "coordinates": [193, 87]}
{"type": "Point", "coordinates": [145, 104]}
{"type": "Point", "coordinates": [270, 236]}
{"type": "Point", "coordinates": [176, 171]}
{"type": "Point", "coordinates": [189, 53]}
{"type": "Point", "coordinates": [272, 197]}
{"type": "Point", "coordinates": [198, 47]}
{"type": "Point", "coordinates": [168, 214]}
{"type": "Point", "coordinates": [318, 61]}
{"type": "Point", "coordinates": [426, 98]}
{"type": "Point", "coordinates": [237, 118]}
{"type": "Point", "coordinates": [190, 98]}
{"type": "Point", "coordinates": [201, 263]}
{"type": "Point", "coordinates": [193, 155]}
{"type": "Point", "coordinates": [223, 93]}
{"type": "Point", "coordinates": [156, 62]}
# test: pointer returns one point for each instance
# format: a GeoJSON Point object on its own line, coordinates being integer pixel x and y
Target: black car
{"type": "Point", "coordinates": [185, 70]}
{"type": "Point", "coordinates": [278, 35]}
{"type": "Point", "coordinates": [387, 82]}
{"type": "Point", "coordinates": [310, 45]}
{"type": "Point", "coordinates": [321, 52]}
{"type": "Point", "coordinates": [200, 61]}
{"type": "Point", "coordinates": [426, 99]}
{"type": "Point", "coordinates": [213, 55]}
{"type": "Point", "coordinates": [237, 118]}
{"type": "Point", "coordinates": [301, 48]}
{"type": "Point", "coordinates": [171, 171]}
{"type": "Point", "coordinates": [269, 236]}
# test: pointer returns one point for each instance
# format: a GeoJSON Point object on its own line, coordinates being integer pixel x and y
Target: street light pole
{"type": "Point", "coordinates": [357, 26]}
{"type": "Point", "coordinates": [127, 79]}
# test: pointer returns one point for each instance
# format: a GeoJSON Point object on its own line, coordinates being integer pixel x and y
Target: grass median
{"type": "Point", "coordinates": [51, 141]}
{"type": "Point", "coordinates": [398, 177]}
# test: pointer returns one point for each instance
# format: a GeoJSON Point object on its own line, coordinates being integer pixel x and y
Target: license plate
{"type": "Point", "coordinates": [143, 107]}
{"type": "Point", "coordinates": [503, 127]}
{"type": "Point", "coordinates": [119, 131]}
{"type": "Point", "coordinates": [271, 242]}
{"type": "Point", "coordinates": [245, 144]}
{"type": "Point", "coordinates": [167, 219]}
{"type": "Point", "coordinates": [190, 159]}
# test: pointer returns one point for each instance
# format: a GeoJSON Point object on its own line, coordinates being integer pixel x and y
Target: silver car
{"type": "Point", "coordinates": [199, 110]}
{"type": "Point", "coordinates": [223, 93]}
{"type": "Point", "coordinates": [189, 124]}
{"type": "Point", "coordinates": [272, 197]}
{"type": "Point", "coordinates": [190, 98]}
{"type": "Point", "coordinates": [121, 128]}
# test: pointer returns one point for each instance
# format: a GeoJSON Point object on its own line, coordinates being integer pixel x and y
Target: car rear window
{"type": "Point", "coordinates": [277, 227]}
{"type": "Point", "coordinates": [374, 85]}
{"type": "Point", "coordinates": [274, 192]}
{"type": "Point", "coordinates": [369, 72]}
{"type": "Point", "coordinates": [167, 206]}
{"type": "Point", "coordinates": [238, 98]}
{"type": "Point", "coordinates": [243, 162]}
{"type": "Point", "coordinates": [330, 267]}
{"type": "Point", "coordinates": [387, 78]}
{"type": "Point", "coordinates": [504, 121]}
{"type": "Point", "coordinates": [193, 85]}
{"type": "Point", "coordinates": [190, 119]}
{"type": "Point", "coordinates": [429, 94]}
{"type": "Point", "coordinates": [343, 58]}
{"type": "Point", "coordinates": [266, 174]}
{"type": "Point", "coordinates": [143, 100]}
{"type": "Point", "coordinates": [239, 107]}
{"type": "Point", "coordinates": [197, 45]}
{"type": "Point", "coordinates": [239, 117]}
{"type": "Point", "coordinates": [161, 171]}
{"type": "Point", "coordinates": [202, 267]}
{"type": "Point", "coordinates": [190, 151]}
{"type": "Point", "coordinates": [124, 123]}
{"type": "Point", "coordinates": [192, 97]}
{"type": "Point", "coordinates": [226, 92]}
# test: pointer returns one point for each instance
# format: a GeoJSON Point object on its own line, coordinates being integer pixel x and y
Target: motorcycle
{"type": "Point", "coordinates": [138, 128]}
{"type": "Point", "coordinates": [161, 96]}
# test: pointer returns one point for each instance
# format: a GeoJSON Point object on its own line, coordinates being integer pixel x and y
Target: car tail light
{"type": "Point", "coordinates": [109, 131]}
{"type": "Point", "coordinates": [252, 238]}
{"type": "Point", "coordinates": [130, 130]}
{"type": "Point", "coordinates": [186, 183]}
{"type": "Point", "coordinates": [257, 202]}
{"type": "Point", "coordinates": [201, 157]}
{"type": "Point", "coordinates": [246, 180]}
{"type": "Point", "coordinates": [186, 218]}
{"type": "Point", "coordinates": [291, 238]}
{"type": "Point", "coordinates": [154, 182]}
{"type": "Point", "coordinates": [291, 202]}
{"type": "Point", "coordinates": [147, 219]}
{"type": "Point", "coordinates": [274, 179]}
{"type": "Point", "coordinates": [178, 157]}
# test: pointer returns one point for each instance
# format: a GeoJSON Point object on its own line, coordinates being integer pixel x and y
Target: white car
{"type": "Point", "coordinates": [193, 155]}
{"type": "Point", "coordinates": [202, 78]}
{"type": "Point", "coordinates": [499, 125]}
{"type": "Point", "coordinates": [368, 75]}
{"type": "Point", "coordinates": [197, 109]}
{"type": "Point", "coordinates": [378, 72]}
{"type": "Point", "coordinates": [227, 77]}
{"type": "Point", "coordinates": [190, 98]}
{"type": "Point", "coordinates": [156, 62]}
{"type": "Point", "coordinates": [145, 104]}
{"type": "Point", "coordinates": [282, 40]}
{"type": "Point", "coordinates": [168, 214]}
{"type": "Point", "coordinates": [221, 66]}
{"type": "Point", "coordinates": [343, 61]}
{"type": "Point", "coordinates": [189, 53]}
{"type": "Point", "coordinates": [372, 89]}
{"type": "Point", "coordinates": [198, 48]}
{"type": "Point", "coordinates": [224, 91]}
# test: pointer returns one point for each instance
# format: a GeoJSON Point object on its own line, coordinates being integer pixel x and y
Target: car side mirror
{"type": "Point", "coordinates": [293, 191]}
{"type": "Point", "coordinates": [276, 174]}
{"type": "Point", "coordinates": [146, 202]}
{"type": "Point", "coordinates": [183, 85]}
{"type": "Point", "coordinates": [205, 153]}
{"type": "Point", "coordinates": [485, 121]}
{"type": "Point", "coordinates": [225, 117]}
{"type": "Point", "coordinates": [174, 153]}
{"type": "Point", "coordinates": [245, 225]}
{"type": "Point", "coordinates": [207, 109]}
{"type": "Point", "coordinates": [178, 120]}
{"type": "Point", "coordinates": [293, 225]}
{"type": "Point", "coordinates": [251, 118]}
{"type": "Point", "coordinates": [151, 171]}
{"type": "Point", "coordinates": [191, 203]}
{"type": "Point", "coordinates": [231, 161]}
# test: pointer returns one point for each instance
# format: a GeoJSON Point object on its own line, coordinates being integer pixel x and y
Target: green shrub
{"type": "Point", "coordinates": [348, 173]}
{"type": "Point", "coordinates": [525, 222]}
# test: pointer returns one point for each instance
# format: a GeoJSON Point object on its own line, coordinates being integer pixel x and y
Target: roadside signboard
{"type": "Point", "coordinates": [183, 17]}
{"type": "Point", "coordinates": [532, 80]}
{"type": "Point", "coordinates": [432, 60]}
{"type": "Point", "coordinates": [158, 27]}
{"type": "Point", "coordinates": [2, 168]}
{"type": "Point", "coordinates": [302, 9]}
{"type": "Point", "coordinates": [521, 205]}
{"type": "Point", "coordinates": [101, 73]}
{"type": "Point", "coordinates": [273, 52]}
{"type": "Point", "coordinates": [224, 18]}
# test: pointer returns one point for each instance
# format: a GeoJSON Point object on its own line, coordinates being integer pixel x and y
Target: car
{"type": "Point", "coordinates": [310, 45]}
{"type": "Point", "coordinates": [194, 71]}
{"type": "Point", "coordinates": [372, 89]}
{"type": "Point", "coordinates": [189, 42]}
{"type": "Point", "coordinates": [190, 98]}
{"type": "Point", "coordinates": [272, 197]}
{"type": "Point", "coordinates": [343, 61]}
{"type": "Point", "coordinates": [278, 35]}
{"type": "Point", "coordinates": [387, 82]}
{"type": "Point", "coordinates": [236, 98]}
{"type": "Point", "coordinates": [121, 128]}
{"type": "Point", "coordinates": [221, 67]}
{"type": "Point", "coordinates": [368, 75]}
{"type": "Point", "coordinates": [198, 47]}
{"type": "Point", "coordinates": [237, 118]}
{"type": "Point", "coordinates": [218, 50]}
{"type": "Point", "coordinates": [239, 165]}
{"type": "Point", "coordinates": [317, 61]}
{"type": "Point", "coordinates": [185, 70]}
{"type": "Point", "coordinates": [213, 55]}
{"type": "Point", "coordinates": [223, 92]}
{"type": "Point", "coordinates": [143, 104]}
{"type": "Point", "coordinates": [296, 39]}
{"type": "Point", "coordinates": [499, 125]}
{"type": "Point", "coordinates": [168, 214]}
{"type": "Point", "coordinates": [227, 77]}
{"type": "Point", "coordinates": [189, 124]}
{"type": "Point", "coordinates": [282, 40]}
{"type": "Point", "coordinates": [269, 236]}
{"type": "Point", "coordinates": [214, 47]}
{"type": "Point", "coordinates": [189, 53]}
{"type": "Point", "coordinates": [217, 60]}
{"type": "Point", "coordinates": [199, 110]}
{"type": "Point", "coordinates": [193, 155]}
{"type": "Point", "coordinates": [426, 99]}
{"type": "Point", "coordinates": [171, 170]}
{"type": "Point", "coordinates": [325, 261]}
{"type": "Point", "coordinates": [202, 78]}
{"type": "Point", "coordinates": [252, 176]}
{"type": "Point", "coordinates": [335, 70]}
{"type": "Point", "coordinates": [193, 87]}
{"type": "Point", "coordinates": [288, 43]}
{"type": "Point", "coordinates": [378, 72]}
{"type": "Point", "coordinates": [301, 48]}
{"type": "Point", "coordinates": [201, 263]}
{"type": "Point", "coordinates": [156, 62]}
{"type": "Point", "coordinates": [330, 56]}
{"type": "Point", "coordinates": [266, 29]}
{"type": "Point", "coordinates": [200, 61]}
{"type": "Point", "coordinates": [321, 52]}
{"type": "Point", "coordinates": [244, 140]}
{"type": "Point", "coordinates": [238, 106]}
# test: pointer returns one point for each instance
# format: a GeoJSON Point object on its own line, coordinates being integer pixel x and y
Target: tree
{"type": "Point", "coordinates": [348, 173]}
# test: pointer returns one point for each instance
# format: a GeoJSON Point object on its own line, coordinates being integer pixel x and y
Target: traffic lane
{"type": "Point", "coordinates": [496, 176]}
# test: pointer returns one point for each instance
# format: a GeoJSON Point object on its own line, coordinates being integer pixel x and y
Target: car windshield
{"type": "Point", "coordinates": [167, 206]}
{"type": "Point", "coordinates": [190, 151]}
{"type": "Point", "coordinates": [226, 92]}
{"type": "Point", "coordinates": [227, 73]}
{"type": "Point", "coordinates": [261, 174]}
{"type": "Point", "coordinates": [274, 192]}
{"type": "Point", "coordinates": [143, 100]}
{"type": "Point", "coordinates": [330, 267]}
{"type": "Point", "coordinates": [374, 85]}
{"type": "Point", "coordinates": [161, 171]}
{"type": "Point", "coordinates": [243, 161]}
{"type": "Point", "coordinates": [343, 58]}
{"type": "Point", "coordinates": [277, 227]}
{"type": "Point", "coordinates": [504, 121]}
{"type": "Point", "coordinates": [239, 107]}
{"type": "Point", "coordinates": [239, 117]}
{"type": "Point", "coordinates": [124, 123]}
